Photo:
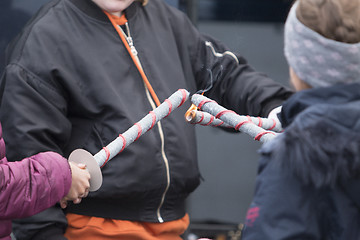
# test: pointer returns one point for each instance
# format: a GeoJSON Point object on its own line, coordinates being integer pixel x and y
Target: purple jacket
{"type": "Point", "coordinates": [30, 186]}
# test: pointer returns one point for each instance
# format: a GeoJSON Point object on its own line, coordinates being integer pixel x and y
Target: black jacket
{"type": "Point", "coordinates": [70, 83]}
{"type": "Point", "coordinates": [309, 177]}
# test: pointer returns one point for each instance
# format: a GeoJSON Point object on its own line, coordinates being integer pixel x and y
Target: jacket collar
{"type": "Point", "coordinates": [321, 141]}
{"type": "Point", "coordinates": [92, 10]}
{"type": "Point", "coordinates": [336, 94]}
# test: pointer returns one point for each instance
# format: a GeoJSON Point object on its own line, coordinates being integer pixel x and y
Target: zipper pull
{"type": "Point", "coordinates": [131, 45]}
{"type": "Point", "coordinates": [130, 40]}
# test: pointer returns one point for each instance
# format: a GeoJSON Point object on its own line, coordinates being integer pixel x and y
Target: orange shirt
{"type": "Point", "coordinates": [94, 228]}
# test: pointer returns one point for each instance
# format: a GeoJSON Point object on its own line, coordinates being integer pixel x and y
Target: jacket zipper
{"type": "Point", "coordinates": [161, 133]}
{"type": "Point", "coordinates": [130, 42]}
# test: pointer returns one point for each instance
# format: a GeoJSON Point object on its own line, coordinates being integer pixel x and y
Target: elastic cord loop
{"type": "Point", "coordinates": [153, 115]}
{"type": "Point", "coordinates": [139, 131]}
{"type": "Point", "coordinates": [238, 126]}
{"type": "Point", "coordinates": [210, 121]}
{"type": "Point", "coordinates": [203, 102]}
{"type": "Point", "coordinates": [260, 135]}
{"type": "Point", "coordinates": [274, 124]}
{"type": "Point", "coordinates": [260, 121]}
{"type": "Point", "coordinates": [202, 117]}
{"type": "Point", "coordinates": [124, 142]}
{"type": "Point", "coordinates": [170, 106]}
{"type": "Point", "coordinates": [223, 112]}
{"type": "Point", "coordinates": [184, 97]}
{"type": "Point", "coordinates": [218, 125]}
{"type": "Point", "coordinates": [107, 152]}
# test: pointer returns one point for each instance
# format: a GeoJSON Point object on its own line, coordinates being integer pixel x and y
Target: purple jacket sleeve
{"type": "Point", "coordinates": [33, 184]}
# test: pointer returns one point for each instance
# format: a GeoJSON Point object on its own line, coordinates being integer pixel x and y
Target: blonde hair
{"type": "Point", "coordinates": [143, 2]}
{"type": "Point", "coordinates": [334, 19]}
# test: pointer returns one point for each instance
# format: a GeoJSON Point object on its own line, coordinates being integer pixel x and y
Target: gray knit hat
{"type": "Point", "coordinates": [317, 60]}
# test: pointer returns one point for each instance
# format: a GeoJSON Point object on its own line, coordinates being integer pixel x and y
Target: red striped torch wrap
{"type": "Point", "coordinates": [206, 119]}
{"type": "Point", "coordinates": [94, 163]}
{"type": "Point", "coordinates": [261, 129]}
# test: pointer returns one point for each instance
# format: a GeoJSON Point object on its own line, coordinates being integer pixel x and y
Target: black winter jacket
{"type": "Point", "coordinates": [70, 83]}
{"type": "Point", "coordinates": [309, 177]}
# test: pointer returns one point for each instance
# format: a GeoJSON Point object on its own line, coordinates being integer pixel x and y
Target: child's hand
{"type": "Point", "coordinates": [79, 186]}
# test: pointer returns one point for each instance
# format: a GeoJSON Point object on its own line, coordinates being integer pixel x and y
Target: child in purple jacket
{"type": "Point", "coordinates": [36, 183]}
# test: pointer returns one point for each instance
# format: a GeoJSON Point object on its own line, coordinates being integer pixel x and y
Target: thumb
{"type": "Point", "coordinates": [63, 203]}
{"type": "Point", "coordinates": [81, 165]}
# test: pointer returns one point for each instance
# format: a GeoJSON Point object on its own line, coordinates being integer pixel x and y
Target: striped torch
{"type": "Point", "coordinates": [206, 119]}
{"type": "Point", "coordinates": [94, 163]}
{"type": "Point", "coordinates": [240, 123]}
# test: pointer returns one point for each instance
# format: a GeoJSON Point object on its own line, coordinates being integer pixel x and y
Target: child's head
{"type": "Point", "coordinates": [116, 7]}
{"type": "Point", "coordinates": [322, 42]}
{"type": "Point", "coordinates": [144, 2]}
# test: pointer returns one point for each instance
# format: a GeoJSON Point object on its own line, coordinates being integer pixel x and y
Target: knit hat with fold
{"type": "Point", "coordinates": [317, 60]}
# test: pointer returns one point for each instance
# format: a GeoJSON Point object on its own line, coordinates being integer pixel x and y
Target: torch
{"type": "Point", "coordinates": [261, 129]}
{"type": "Point", "coordinates": [95, 162]}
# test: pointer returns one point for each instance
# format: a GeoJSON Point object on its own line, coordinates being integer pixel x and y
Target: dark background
{"type": "Point", "coordinates": [243, 10]}
{"type": "Point", "coordinates": [228, 162]}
